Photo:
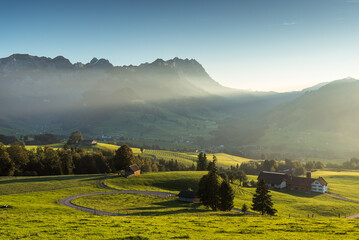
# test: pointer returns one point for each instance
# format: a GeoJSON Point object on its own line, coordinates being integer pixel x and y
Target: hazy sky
{"type": "Point", "coordinates": [259, 45]}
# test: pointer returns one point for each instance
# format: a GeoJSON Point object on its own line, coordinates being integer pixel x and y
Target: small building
{"type": "Point", "coordinates": [133, 170]}
{"type": "Point", "coordinates": [283, 181]}
{"type": "Point", "coordinates": [87, 143]}
{"type": "Point", "coordinates": [188, 196]}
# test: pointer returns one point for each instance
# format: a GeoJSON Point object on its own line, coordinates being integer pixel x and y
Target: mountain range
{"type": "Point", "coordinates": [174, 101]}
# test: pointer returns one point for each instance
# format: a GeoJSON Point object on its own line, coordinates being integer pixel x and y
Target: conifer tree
{"type": "Point", "coordinates": [209, 188]}
{"type": "Point", "coordinates": [262, 201]}
{"type": "Point", "coordinates": [226, 196]}
{"type": "Point", "coordinates": [202, 162]}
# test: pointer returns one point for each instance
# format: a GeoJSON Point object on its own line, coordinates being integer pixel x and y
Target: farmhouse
{"type": "Point", "coordinates": [188, 196]}
{"type": "Point", "coordinates": [283, 181]}
{"type": "Point", "coordinates": [133, 170]}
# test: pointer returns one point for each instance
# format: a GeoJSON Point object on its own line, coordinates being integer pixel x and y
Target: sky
{"type": "Point", "coordinates": [262, 45]}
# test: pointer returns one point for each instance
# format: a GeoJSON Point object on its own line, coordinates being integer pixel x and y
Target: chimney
{"type": "Point", "coordinates": [309, 175]}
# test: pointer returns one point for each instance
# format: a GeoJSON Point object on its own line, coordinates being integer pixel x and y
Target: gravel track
{"type": "Point", "coordinates": [68, 201]}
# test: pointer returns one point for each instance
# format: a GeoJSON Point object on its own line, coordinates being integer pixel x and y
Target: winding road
{"type": "Point", "coordinates": [68, 201]}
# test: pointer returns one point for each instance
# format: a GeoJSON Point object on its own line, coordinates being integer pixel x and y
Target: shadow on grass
{"type": "Point", "coordinates": [301, 194]}
{"type": "Point", "coordinates": [167, 208]}
{"type": "Point", "coordinates": [177, 184]}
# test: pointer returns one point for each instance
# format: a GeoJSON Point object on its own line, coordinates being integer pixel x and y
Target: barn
{"type": "Point", "coordinates": [133, 170]}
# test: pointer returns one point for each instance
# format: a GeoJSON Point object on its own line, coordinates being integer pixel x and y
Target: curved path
{"type": "Point", "coordinates": [68, 201]}
{"type": "Point", "coordinates": [101, 183]}
{"type": "Point", "coordinates": [336, 196]}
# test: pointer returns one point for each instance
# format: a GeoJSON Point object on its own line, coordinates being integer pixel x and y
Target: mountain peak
{"type": "Point", "coordinates": [159, 62]}
{"type": "Point", "coordinates": [29, 61]}
{"type": "Point", "coordinates": [99, 63]}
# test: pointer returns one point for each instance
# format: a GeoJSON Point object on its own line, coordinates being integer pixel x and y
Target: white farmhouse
{"type": "Point", "coordinates": [282, 181]}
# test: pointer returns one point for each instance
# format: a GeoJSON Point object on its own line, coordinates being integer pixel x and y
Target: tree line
{"type": "Point", "coordinates": [352, 164]}
{"type": "Point", "coordinates": [297, 168]}
{"type": "Point", "coordinates": [16, 160]}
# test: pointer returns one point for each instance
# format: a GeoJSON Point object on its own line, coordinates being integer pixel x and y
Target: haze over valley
{"type": "Point", "coordinates": [174, 101]}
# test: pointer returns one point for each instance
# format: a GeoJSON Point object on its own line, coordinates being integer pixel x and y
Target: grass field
{"type": "Point", "coordinates": [142, 205]}
{"type": "Point", "coordinates": [36, 213]}
{"type": "Point", "coordinates": [297, 204]}
{"type": "Point", "coordinates": [344, 183]}
{"type": "Point", "coordinates": [15, 185]}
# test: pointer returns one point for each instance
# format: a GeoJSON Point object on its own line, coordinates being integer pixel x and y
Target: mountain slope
{"type": "Point", "coordinates": [320, 122]}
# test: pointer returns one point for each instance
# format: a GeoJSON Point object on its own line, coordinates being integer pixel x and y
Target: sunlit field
{"type": "Point", "coordinates": [36, 213]}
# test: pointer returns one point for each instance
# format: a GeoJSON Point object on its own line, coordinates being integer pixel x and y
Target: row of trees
{"type": "Point", "coordinates": [296, 167]}
{"type": "Point", "coordinates": [17, 160]}
{"type": "Point", "coordinates": [352, 164]}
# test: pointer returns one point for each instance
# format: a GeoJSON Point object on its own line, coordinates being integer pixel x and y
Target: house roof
{"type": "Point", "coordinates": [322, 181]}
{"type": "Point", "coordinates": [134, 168]}
{"type": "Point", "coordinates": [300, 181]}
{"type": "Point", "coordinates": [187, 194]}
{"type": "Point", "coordinates": [272, 177]}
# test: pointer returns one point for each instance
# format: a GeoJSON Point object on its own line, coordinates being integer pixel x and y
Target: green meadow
{"type": "Point", "coordinates": [37, 214]}
{"type": "Point", "coordinates": [295, 204]}
{"type": "Point", "coordinates": [344, 183]}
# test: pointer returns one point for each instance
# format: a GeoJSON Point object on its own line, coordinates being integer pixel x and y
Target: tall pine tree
{"type": "Point", "coordinates": [262, 201]}
{"type": "Point", "coordinates": [202, 162]}
{"type": "Point", "coordinates": [209, 188]}
{"type": "Point", "coordinates": [226, 196]}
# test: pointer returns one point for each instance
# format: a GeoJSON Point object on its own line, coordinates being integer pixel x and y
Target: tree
{"type": "Point", "coordinates": [75, 137]}
{"type": "Point", "coordinates": [241, 176]}
{"type": "Point", "coordinates": [319, 165]}
{"type": "Point", "coordinates": [7, 166]}
{"type": "Point", "coordinates": [262, 201]}
{"type": "Point", "coordinates": [208, 189]}
{"type": "Point", "coordinates": [244, 208]}
{"type": "Point", "coordinates": [202, 163]}
{"type": "Point", "coordinates": [51, 161]}
{"type": "Point", "coordinates": [226, 196]}
{"type": "Point", "coordinates": [102, 166]}
{"type": "Point", "coordinates": [19, 156]}
{"type": "Point", "coordinates": [299, 171]}
{"type": "Point", "coordinates": [123, 158]}
{"type": "Point", "coordinates": [212, 165]}
{"type": "Point", "coordinates": [66, 161]}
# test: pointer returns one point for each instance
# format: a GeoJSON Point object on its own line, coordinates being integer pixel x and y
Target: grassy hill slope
{"type": "Point", "coordinates": [37, 214]}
